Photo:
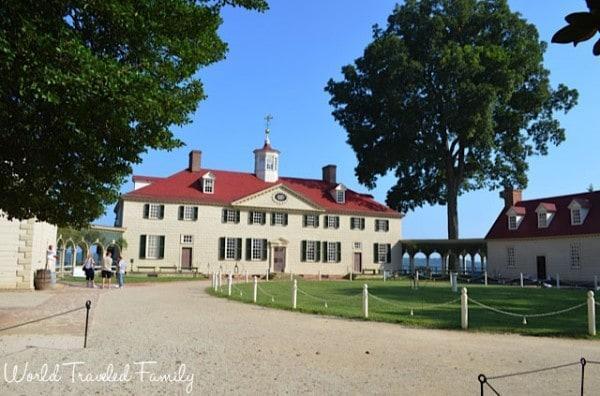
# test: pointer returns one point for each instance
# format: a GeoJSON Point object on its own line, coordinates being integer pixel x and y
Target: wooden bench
{"type": "Point", "coordinates": [168, 269]}
{"type": "Point", "coordinates": [145, 267]}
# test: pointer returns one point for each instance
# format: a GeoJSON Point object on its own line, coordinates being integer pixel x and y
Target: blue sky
{"type": "Point", "coordinates": [279, 63]}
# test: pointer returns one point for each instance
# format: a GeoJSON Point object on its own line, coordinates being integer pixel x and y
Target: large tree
{"type": "Point", "coordinates": [452, 96]}
{"type": "Point", "coordinates": [87, 86]}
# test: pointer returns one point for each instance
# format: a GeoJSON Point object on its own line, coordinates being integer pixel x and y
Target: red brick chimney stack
{"type": "Point", "coordinates": [511, 196]}
{"type": "Point", "coordinates": [329, 174]}
{"type": "Point", "coordinates": [195, 158]}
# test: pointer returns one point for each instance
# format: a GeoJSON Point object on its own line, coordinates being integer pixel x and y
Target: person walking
{"type": "Point", "coordinates": [106, 270]}
{"type": "Point", "coordinates": [121, 269]}
{"type": "Point", "coordinates": [88, 268]}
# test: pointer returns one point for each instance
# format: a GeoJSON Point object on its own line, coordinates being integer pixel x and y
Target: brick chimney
{"type": "Point", "coordinates": [329, 174]}
{"type": "Point", "coordinates": [195, 158]}
{"type": "Point", "coordinates": [511, 196]}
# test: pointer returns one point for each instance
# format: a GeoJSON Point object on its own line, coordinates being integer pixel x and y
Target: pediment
{"type": "Point", "coordinates": [278, 197]}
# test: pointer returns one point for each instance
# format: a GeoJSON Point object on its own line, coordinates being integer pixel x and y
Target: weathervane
{"type": "Point", "coordinates": [268, 120]}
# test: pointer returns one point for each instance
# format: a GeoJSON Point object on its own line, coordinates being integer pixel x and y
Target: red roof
{"type": "Point", "coordinates": [550, 207]}
{"type": "Point", "coordinates": [560, 224]}
{"type": "Point", "coordinates": [185, 186]}
{"type": "Point", "coordinates": [148, 179]}
{"type": "Point", "coordinates": [519, 210]}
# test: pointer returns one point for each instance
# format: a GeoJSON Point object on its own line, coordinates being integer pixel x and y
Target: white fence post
{"type": "Point", "coordinates": [485, 278]}
{"type": "Point", "coordinates": [365, 301]}
{"type": "Point", "coordinates": [246, 275]}
{"type": "Point", "coordinates": [295, 294]}
{"type": "Point", "coordinates": [451, 279]}
{"type": "Point", "coordinates": [229, 283]}
{"type": "Point", "coordinates": [255, 290]}
{"type": "Point", "coordinates": [417, 279]}
{"type": "Point", "coordinates": [464, 309]}
{"type": "Point", "coordinates": [591, 314]}
{"type": "Point", "coordinates": [521, 279]}
{"type": "Point", "coordinates": [214, 281]}
{"type": "Point", "coordinates": [319, 275]}
{"type": "Point", "coordinates": [558, 281]}
{"type": "Point", "coordinates": [267, 278]}
{"type": "Point", "coordinates": [454, 281]}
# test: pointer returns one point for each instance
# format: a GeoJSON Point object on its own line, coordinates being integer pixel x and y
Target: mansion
{"type": "Point", "coordinates": [209, 219]}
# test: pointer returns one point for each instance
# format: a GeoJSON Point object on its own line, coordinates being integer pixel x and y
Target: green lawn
{"type": "Point", "coordinates": [137, 278]}
{"type": "Point", "coordinates": [344, 299]}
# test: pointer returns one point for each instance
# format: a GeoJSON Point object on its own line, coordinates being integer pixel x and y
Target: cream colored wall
{"type": "Point", "coordinates": [9, 248]}
{"type": "Point", "coordinates": [558, 257]}
{"type": "Point", "coordinates": [208, 229]}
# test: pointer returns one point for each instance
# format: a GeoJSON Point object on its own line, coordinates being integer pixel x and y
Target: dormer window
{"type": "Point", "coordinates": [579, 209]}
{"type": "Point", "coordinates": [542, 220]}
{"type": "Point", "coordinates": [512, 222]}
{"type": "Point", "coordinates": [339, 193]}
{"type": "Point", "coordinates": [208, 183]}
{"type": "Point", "coordinates": [545, 214]}
{"type": "Point", "coordinates": [576, 216]}
{"type": "Point", "coordinates": [515, 217]}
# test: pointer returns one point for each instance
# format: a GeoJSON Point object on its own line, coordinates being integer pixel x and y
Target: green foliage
{"type": "Point", "coordinates": [90, 85]}
{"type": "Point", "coordinates": [582, 26]}
{"type": "Point", "coordinates": [452, 96]}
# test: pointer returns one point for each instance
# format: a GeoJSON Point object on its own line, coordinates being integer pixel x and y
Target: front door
{"type": "Point", "coordinates": [357, 263]}
{"type": "Point", "coordinates": [541, 267]}
{"type": "Point", "coordinates": [278, 259]}
{"type": "Point", "coordinates": [186, 258]}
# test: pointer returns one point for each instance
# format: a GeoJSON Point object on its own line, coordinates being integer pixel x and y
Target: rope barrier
{"type": "Point", "coordinates": [238, 289]}
{"type": "Point", "coordinates": [266, 293]}
{"type": "Point", "coordinates": [534, 371]}
{"type": "Point", "coordinates": [411, 309]}
{"type": "Point", "coordinates": [41, 319]}
{"type": "Point", "coordinates": [517, 315]}
{"type": "Point", "coordinates": [313, 297]}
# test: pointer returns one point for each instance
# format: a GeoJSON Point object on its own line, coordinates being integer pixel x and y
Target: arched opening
{"type": "Point", "coordinates": [478, 262]}
{"type": "Point", "coordinates": [405, 263]}
{"type": "Point", "coordinates": [97, 252]}
{"type": "Point", "coordinates": [435, 263]}
{"type": "Point", "coordinates": [420, 261]}
{"type": "Point", "coordinates": [115, 252]}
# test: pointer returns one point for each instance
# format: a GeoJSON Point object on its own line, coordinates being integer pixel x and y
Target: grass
{"type": "Point", "coordinates": [138, 278]}
{"type": "Point", "coordinates": [344, 300]}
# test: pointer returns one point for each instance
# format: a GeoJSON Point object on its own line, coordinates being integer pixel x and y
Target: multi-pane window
{"type": "Point", "coordinates": [187, 239]}
{"type": "Point", "coordinates": [382, 253]}
{"type": "Point", "coordinates": [208, 185]}
{"type": "Point", "coordinates": [332, 252]}
{"type": "Point", "coordinates": [258, 217]}
{"type": "Point", "coordinates": [271, 163]}
{"type": "Point", "coordinates": [230, 216]}
{"type": "Point", "coordinates": [340, 196]}
{"type": "Point", "coordinates": [357, 245]}
{"type": "Point", "coordinates": [279, 218]}
{"type": "Point", "coordinates": [311, 220]}
{"type": "Point", "coordinates": [511, 260]}
{"type": "Point", "coordinates": [188, 213]}
{"type": "Point", "coordinates": [357, 223]}
{"type": "Point", "coordinates": [512, 222]}
{"type": "Point", "coordinates": [311, 251]}
{"type": "Point", "coordinates": [332, 221]}
{"type": "Point", "coordinates": [575, 255]}
{"type": "Point", "coordinates": [542, 220]}
{"type": "Point", "coordinates": [231, 247]}
{"type": "Point", "coordinates": [381, 225]}
{"type": "Point", "coordinates": [154, 211]}
{"type": "Point", "coordinates": [576, 216]}
{"type": "Point", "coordinates": [152, 246]}
{"type": "Point", "coordinates": [257, 249]}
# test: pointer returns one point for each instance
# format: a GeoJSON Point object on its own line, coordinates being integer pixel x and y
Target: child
{"type": "Point", "coordinates": [121, 268]}
{"type": "Point", "coordinates": [88, 268]}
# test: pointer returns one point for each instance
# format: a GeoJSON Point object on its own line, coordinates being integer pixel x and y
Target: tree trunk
{"type": "Point", "coordinates": [452, 208]}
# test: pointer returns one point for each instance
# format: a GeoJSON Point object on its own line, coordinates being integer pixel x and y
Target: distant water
{"type": "Point", "coordinates": [435, 263]}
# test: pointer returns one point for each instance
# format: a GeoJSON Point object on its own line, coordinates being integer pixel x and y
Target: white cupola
{"type": "Point", "coordinates": [266, 160]}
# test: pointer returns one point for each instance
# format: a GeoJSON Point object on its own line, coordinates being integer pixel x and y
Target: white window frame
{"type": "Point", "coordinates": [271, 163]}
{"type": "Point", "coordinates": [575, 255]}
{"type": "Point", "coordinates": [380, 225]}
{"type": "Point", "coordinates": [332, 221]}
{"type": "Point", "coordinates": [542, 223]}
{"type": "Point", "coordinates": [278, 218]}
{"type": "Point", "coordinates": [311, 220]}
{"type": "Point", "coordinates": [357, 245]}
{"type": "Point", "coordinates": [231, 249]}
{"type": "Point", "coordinates": [311, 251]}
{"type": "Point", "coordinates": [231, 216]}
{"type": "Point", "coordinates": [187, 239]}
{"type": "Point", "coordinates": [512, 222]}
{"type": "Point", "coordinates": [208, 185]}
{"type": "Point", "coordinates": [382, 253]}
{"type": "Point", "coordinates": [152, 246]}
{"type": "Point", "coordinates": [573, 217]}
{"type": "Point", "coordinates": [257, 249]}
{"type": "Point", "coordinates": [154, 211]}
{"type": "Point", "coordinates": [332, 256]}
{"type": "Point", "coordinates": [356, 223]}
{"type": "Point", "coordinates": [340, 196]}
{"type": "Point", "coordinates": [257, 217]}
{"type": "Point", "coordinates": [511, 257]}
{"type": "Point", "coordinates": [188, 213]}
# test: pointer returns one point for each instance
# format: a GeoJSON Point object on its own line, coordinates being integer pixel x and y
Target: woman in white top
{"type": "Point", "coordinates": [121, 268]}
{"type": "Point", "coordinates": [88, 268]}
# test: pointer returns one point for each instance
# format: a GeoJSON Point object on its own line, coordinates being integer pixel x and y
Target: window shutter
{"type": "Point", "coordinates": [224, 216]}
{"type": "Point", "coordinates": [195, 213]}
{"type": "Point", "coordinates": [238, 248]}
{"type": "Point", "coordinates": [161, 247]}
{"type": "Point", "coordinates": [142, 246]}
{"type": "Point", "coordinates": [339, 252]}
{"type": "Point", "coordinates": [221, 248]}
{"type": "Point", "coordinates": [180, 217]}
{"type": "Point", "coordinates": [389, 253]}
{"type": "Point", "coordinates": [272, 218]}
{"type": "Point", "coordinates": [248, 249]}
{"type": "Point", "coordinates": [303, 251]}
{"type": "Point", "coordinates": [375, 252]}
{"type": "Point", "coordinates": [351, 223]}
{"type": "Point", "coordinates": [237, 216]}
{"type": "Point", "coordinates": [250, 217]}
{"type": "Point", "coordinates": [324, 251]}
{"type": "Point", "coordinates": [362, 224]}
{"type": "Point", "coordinates": [264, 252]}
{"type": "Point", "coordinates": [337, 222]}
{"type": "Point", "coordinates": [326, 222]}
{"type": "Point", "coordinates": [317, 221]}
{"type": "Point", "coordinates": [318, 251]}
{"type": "Point", "coordinates": [263, 217]}
{"type": "Point", "coordinates": [285, 219]}
{"type": "Point", "coordinates": [387, 225]}
{"type": "Point", "coordinates": [146, 210]}
{"type": "Point", "coordinates": [304, 220]}
{"type": "Point", "coordinates": [162, 211]}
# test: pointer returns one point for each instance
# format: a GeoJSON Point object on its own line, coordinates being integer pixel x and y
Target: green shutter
{"type": "Point", "coordinates": [264, 250]}
{"type": "Point", "coordinates": [161, 251]}
{"type": "Point", "coordinates": [339, 252]}
{"type": "Point", "coordinates": [303, 251]}
{"type": "Point", "coordinates": [195, 213]}
{"type": "Point", "coordinates": [221, 248]}
{"type": "Point", "coordinates": [285, 219]}
{"type": "Point", "coordinates": [362, 223]}
{"type": "Point", "coordinates": [326, 222]}
{"type": "Point", "coordinates": [237, 216]}
{"type": "Point", "coordinates": [337, 222]}
{"type": "Point", "coordinates": [272, 218]}
{"type": "Point", "coordinates": [248, 249]}
{"type": "Point", "coordinates": [387, 225]}
{"type": "Point", "coordinates": [224, 216]}
{"type": "Point", "coordinates": [263, 220]}
{"type": "Point", "coordinates": [162, 211]}
{"type": "Point", "coordinates": [142, 246]}
{"type": "Point", "coordinates": [180, 216]}
{"type": "Point", "coordinates": [304, 218]}
{"type": "Point", "coordinates": [318, 251]}
{"type": "Point", "coordinates": [238, 249]}
{"type": "Point", "coordinates": [317, 221]}
{"type": "Point", "coordinates": [375, 253]}
{"type": "Point", "coordinates": [250, 217]}
{"type": "Point", "coordinates": [146, 211]}
{"type": "Point", "coordinates": [324, 251]}
{"type": "Point", "coordinates": [389, 253]}
{"type": "Point", "coordinates": [352, 223]}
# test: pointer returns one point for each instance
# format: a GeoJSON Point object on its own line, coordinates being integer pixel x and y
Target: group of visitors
{"type": "Point", "coordinates": [106, 271]}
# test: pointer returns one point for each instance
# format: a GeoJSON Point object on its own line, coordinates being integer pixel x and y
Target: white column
{"type": "Point", "coordinates": [521, 278]}
{"type": "Point", "coordinates": [591, 314]}
{"type": "Point", "coordinates": [485, 278]}
{"type": "Point", "coordinates": [295, 294]}
{"type": "Point", "coordinates": [255, 290]}
{"type": "Point", "coordinates": [365, 300]}
{"type": "Point", "coordinates": [558, 281]}
{"type": "Point", "coordinates": [464, 309]}
{"type": "Point", "coordinates": [229, 283]}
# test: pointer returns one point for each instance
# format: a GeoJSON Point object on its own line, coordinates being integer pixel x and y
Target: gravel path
{"type": "Point", "coordinates": [234, 348]}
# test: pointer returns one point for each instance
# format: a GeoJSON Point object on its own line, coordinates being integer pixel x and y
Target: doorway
{"type": "Point", "coordinates": [186, 258]}
{"type": "Point", "coordinates": [541, 267]}
{"type": "Point", "coordinates": [278, 259]}
{"type": "Point", "coordinates": [357, 267]}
